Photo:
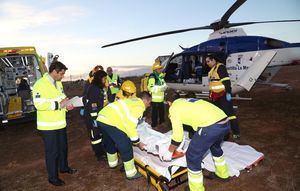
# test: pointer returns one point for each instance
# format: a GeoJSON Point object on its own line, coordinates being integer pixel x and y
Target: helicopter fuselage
{"type": "Point", "coordinates": [247, 58]}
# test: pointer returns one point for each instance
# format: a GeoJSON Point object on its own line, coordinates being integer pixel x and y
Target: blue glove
{"type": "Point", "coordinates": [81, 112]}
{"type": "Point", "coordinates": [228, 96]}
{"type": "Point", "coordinates": [95, 123]}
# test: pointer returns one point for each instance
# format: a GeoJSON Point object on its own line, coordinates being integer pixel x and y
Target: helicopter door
{"type": "Point", "coordinates": [260, 62]}
{"type": "Point", "coordinates": [174, 70]}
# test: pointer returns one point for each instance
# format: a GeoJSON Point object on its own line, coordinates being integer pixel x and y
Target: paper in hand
{"type": "Point", "coordinates": [75, 101]}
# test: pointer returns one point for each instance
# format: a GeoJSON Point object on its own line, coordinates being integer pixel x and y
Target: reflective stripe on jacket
{"type": "Point", "coordinates": [46, 98]}
{"type": "Point", "coordinates": [215, 83]}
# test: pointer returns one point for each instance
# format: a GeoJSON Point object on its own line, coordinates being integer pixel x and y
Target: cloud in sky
{"type": "Point", "coordinates": [18, 16]}
{"type": "Point", "coordinates": [29, 25]}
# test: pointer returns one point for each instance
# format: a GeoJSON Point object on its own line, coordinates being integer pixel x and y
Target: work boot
{"type": "Point", "coordinates": [221, 168]}
{"type": "Point", "coordinates": [136, 176]}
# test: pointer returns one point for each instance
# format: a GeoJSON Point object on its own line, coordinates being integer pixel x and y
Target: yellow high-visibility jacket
{"type": "Point", "coordinates": [124, 115]}
{"type": "Point", "coordinates": [46, 99]}
{"type": "Point", "coordinates": [192, 112]}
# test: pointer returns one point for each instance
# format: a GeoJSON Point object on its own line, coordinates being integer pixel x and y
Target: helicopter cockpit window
{"type": "Point", "coordinates": [189, 68]}
{"type": "Point", "coordinates": [272, 43]}
{"type": "Point", "coordinates": [173, 70]}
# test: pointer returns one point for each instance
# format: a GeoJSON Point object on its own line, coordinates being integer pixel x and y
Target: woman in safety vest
{"type": "Point", "coordinates": [95, 96]}
{"type": "Point", "coordinates": [220, 91]}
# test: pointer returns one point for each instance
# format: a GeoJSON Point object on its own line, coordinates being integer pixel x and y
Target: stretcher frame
{"type": "Point", "coordinates": [160, 182]}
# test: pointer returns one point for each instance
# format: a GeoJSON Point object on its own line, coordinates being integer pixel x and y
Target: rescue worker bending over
{"type": "Point", "coordinates": [157, 88]}
{"type": "Point", "coordinates": [94, 103]}
{"type": "Point", "coordinates": [220, 91]}
{"type": "Point", "coordinates": [210, 124]}
{"type": "Point", "coordinates": [128, 90]}
{"type": "Point", "coordinates": [118, 121]}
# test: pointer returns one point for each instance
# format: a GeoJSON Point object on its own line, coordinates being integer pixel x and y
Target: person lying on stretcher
{"type": "Point", "coordinates": [210, 124]}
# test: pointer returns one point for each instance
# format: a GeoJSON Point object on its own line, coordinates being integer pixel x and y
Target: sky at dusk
{"type": "Point", "coordinates": [76, 30]}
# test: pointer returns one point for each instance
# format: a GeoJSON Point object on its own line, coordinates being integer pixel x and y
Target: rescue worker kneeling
{"type": "Point", "coordinates": [118, 121]}
{"type": "Point", "coordinates": [128, 90]}
{"type": "Point", "coordinates": [210, 124]}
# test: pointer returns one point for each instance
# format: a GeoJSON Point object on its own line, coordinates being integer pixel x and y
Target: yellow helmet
{"type": "Point", "coordinates": [156, 65]}
{"type": "Point", "coordinates": [128, 86]}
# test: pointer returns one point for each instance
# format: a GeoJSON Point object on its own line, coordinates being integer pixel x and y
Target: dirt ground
{"type": "Point", "coordinates": [269, 123]}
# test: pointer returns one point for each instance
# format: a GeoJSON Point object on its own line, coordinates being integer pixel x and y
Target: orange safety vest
{"type": "Point", "coordinates": [216, 87]}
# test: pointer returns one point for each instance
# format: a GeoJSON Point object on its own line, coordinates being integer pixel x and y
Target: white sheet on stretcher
{"type": "Point", "coordinates": [237, 157]}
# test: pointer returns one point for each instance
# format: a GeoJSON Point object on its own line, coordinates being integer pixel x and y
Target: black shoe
{"type": "Point", "coordinates": [69, 171]}
{"type": "Point", "coordinates": [122, 168]}
{"type": "Point", "coordinates": [213, 176]}
{"type": "Point", "coordinates": [136, 176]}
{"type": "Point", "coordinates": [101, 158]}
{"type": "Point", "coordinates": [57, 182]}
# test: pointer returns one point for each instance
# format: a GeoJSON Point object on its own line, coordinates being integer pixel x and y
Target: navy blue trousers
{"type": "Point", "coordinates": [205, 138]}
{"type": "Point", "coordinates": [115, 140]}
{"type": "Point", "coordinates": [227, 107]}
{"type": "Point", "coordinates": [158, 113]}
{"type": "Point", "coordinates": [56, 152]}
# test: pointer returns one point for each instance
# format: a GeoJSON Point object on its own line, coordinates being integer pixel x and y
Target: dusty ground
{"type": "Point", "coordinates": [269, 123]}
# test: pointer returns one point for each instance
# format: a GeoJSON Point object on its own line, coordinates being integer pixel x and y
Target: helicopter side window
{"type": "Point", "coordinates": [272, 43]}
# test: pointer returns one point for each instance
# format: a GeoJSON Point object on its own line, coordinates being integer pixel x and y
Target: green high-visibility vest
{"type": "Point", "coordinates": [157, 87]}
{"type": "Point", "coordinates": [113, 80]}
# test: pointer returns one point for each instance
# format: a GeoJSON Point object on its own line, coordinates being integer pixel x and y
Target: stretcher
{"type": "Point", "coordinates": [166, 175]}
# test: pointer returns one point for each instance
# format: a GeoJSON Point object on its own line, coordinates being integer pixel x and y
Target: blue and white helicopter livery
{"type": "Point", "coordinates": [248, 58]}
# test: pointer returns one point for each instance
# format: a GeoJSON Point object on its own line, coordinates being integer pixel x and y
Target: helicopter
{"type": "Point", "coordinates": [248, 59]}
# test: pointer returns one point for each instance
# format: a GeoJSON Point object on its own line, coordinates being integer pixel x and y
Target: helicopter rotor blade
{"type": "Point", "coordinates": [158, 34]}
{"type": "Point", "coordinates": [229, 12]}
{"type": "Point", "coordinates": [258, 22]}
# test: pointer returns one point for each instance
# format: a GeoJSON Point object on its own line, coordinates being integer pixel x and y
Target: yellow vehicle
{"type": "Point", "coordinates": [20, 68]}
